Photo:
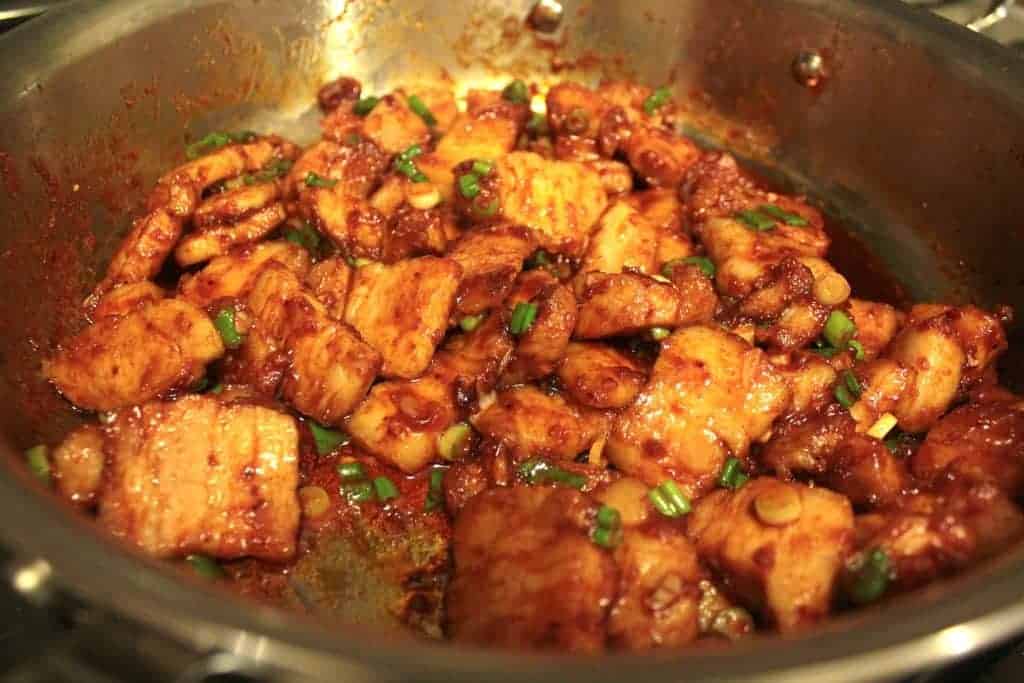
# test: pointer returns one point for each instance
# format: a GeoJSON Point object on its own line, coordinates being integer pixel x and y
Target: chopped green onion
{"type": "Point", "coordinates": [358, 262]}
{"type": "Point", "coordinates": [858, 349]}
{"type": "Point", "coordinates": [327, 439]}
{"type": "Point", "coordinates": [225, 324]}
{"type": "Point", "coordinates": [825, 351]}
{"type": "Point", "coordinates": [871, 579]}
{"type": "Point", "coordinates": [669, 500]}
{"type": "Point", "coordinates": [316, 180]}
{"type": "Point", "coordinates": [453, 442]}
{"type": "Point", "coordinates": [839, 329]}
{"type": "Point", "coordinates": [851, 383]}
{"type": "Point", "coordinates": [385, 488]}
{"type": "Point", "coordinates": [538, 471]}
{"type": "Point", "coordinates": [435, 493]}
{"type": "Point", "coordinates": [608, 517]}
{"type": "Point", "coordinates": [306, 237]}
{"type": "Point", "coordinates": [657, 99]}
{"type": "Point", "coordinates": [358, 491]}
{"type": "Point", "coordinates": [781, 214]}
{"type": "Point", "coordinates": [270, 172]}
{"type": "Point", "coordinates": [578, 121]}
{"type": "Point", "coordinates": [540, 258]}
{"type": "Point", "coordinates": [216, 140]}
{"type": "Point", "coordinates": [469, 185]}
{"type": "Point", "coordinates": [606, 538]}
{"type": "Point", "coordinates": [482, 167]}
{"type": "Point", "coordinates": [733, 477]}
{"type": "Point", "coordinates": [538, 124]}
{"type": "Point", "coordinates": [38, 461]}
{"type": "Point", "coordinates": [756, 220]}
{"type": "Point", "coordinates": [412, 152]}
{"type": "Point", "coordinates": [660, 333]}
{"type": "Point", "coordinates": [421, 110]}
{"type": "Point", "coordinates": [351, 471]}
{"type": "Point", "coordinates": [201, 386]}
{"type": "Point", "coordinates": [217, 388]}
{"type": "Point", "coordinates": [523, 316]}
{"type": "Point", "coordinates": [365, 105]}
{"type": "Point", "coordinates": [471, 322]}
{"type": "Point", "coordinates": [843, 395]}
{"type": "Point", "coordinates": [405, 165]}
{"type": "Point", "coordinates": [516, 92]}
{"type": "Point", "coordinates": [205, 567]}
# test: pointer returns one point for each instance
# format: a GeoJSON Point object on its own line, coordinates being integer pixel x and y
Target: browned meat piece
{"type": "Point", "coordinates": [333, 94]}
{"type": "Point", "coordinates": [195, 476]}
{"type": "Point", "coordinates": [123, 299]}
{"type": "Point", "coordinates": [807, 447]}
{"type": "Point", "coordinates": [393, 126]}
{"type": "Point", "coordinates": [526, 573]}
{"type": "Point", "coordinates": [472, 362]}
{"type": "Point", "coordinates": [978, 442]}
{"type": "Point", "coordinates": [143, 251]}
{"type": "Point", "coordinates": [491, 259]}
{"type": "Point", "coordinates": [340, 211]}
{"type": "Point", "coordinates": [810, 377]}
{"type": "Point", "coordinates": [698, 301]}
{"type": "Point", "coordinates": [357, 166]}
{"type": "Point", "coordinates": [934, 534]}
{"type": "Point", "coordinates": [402, 310]}
{"type": "Point", "coordinates": [599, 376]}
{"type": "Point", "coordinates": [330, 281]}
{"type": "Point", "coordinates": [866, 472]}
{"type": "Point", "coordinates": [119, 362]}
{"type": "Point", "coordinates": [418, 232]}
{"type": "Point", "coordinates": [876, 323]}
{"type": "Point", "coordinates": [628, 304]}
{"type": "Point", "coordinates": [781, 303]}
{"type": "Point", "coordinates": [660, 157]}
{"type": "Point", "coordinates": [624, 240]}
{"type": "Point", "coordinates": [78, 464]}
{"type": "Point", "coordinates": [710, 396]}
{"type": "Point", "coordinates": [541, 348]}
{"type": "Point", "coordinates": [471, 136]}
{"type": "Point", "coordinates": [230, 219]}
{"type": "Point", "coordinates": [326, 368]}
{"type": "Point", "coordinates": [575, 109]}
{"type": "Point", "coordinates": [942, 352]}
{"type": "Point", "coordinates": [151, 239]}
{"type": "Point", "coordinates": [534, 423]}
{"type": "Point", "coordinates": [661, 208]}
{"type": "Point", "coordinates": [717, 191]}
{"type": "Point", "coordinates": [400, 421]}
{"type": "Point", "coordinates": [780, 546]}
{"type": "Point", "coordinates": [233, 276]}
{"type": "Point", "coordinates": [659, 593]}
{"type": "Point", "coordinates": [558, 201]}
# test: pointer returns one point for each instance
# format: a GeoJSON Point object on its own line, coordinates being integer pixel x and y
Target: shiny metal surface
{"type": "Point", "coordinates": [95, 102]}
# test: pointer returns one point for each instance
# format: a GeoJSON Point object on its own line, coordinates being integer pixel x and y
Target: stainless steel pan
{"type": "Point", "coordinates": [913, 133]}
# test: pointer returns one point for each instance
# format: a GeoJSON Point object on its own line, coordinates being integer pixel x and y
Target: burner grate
{"type": "Point", "coordinates": [977, 15]}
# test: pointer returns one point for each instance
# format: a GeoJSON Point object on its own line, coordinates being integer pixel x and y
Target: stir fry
{"type": "Point", "coordinates": [615, 374]}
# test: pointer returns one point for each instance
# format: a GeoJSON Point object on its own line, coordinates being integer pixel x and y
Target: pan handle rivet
{"type": "Point", "coordinates": [546, 16]}
{"type": "Point", "coordinates": [809, 68]}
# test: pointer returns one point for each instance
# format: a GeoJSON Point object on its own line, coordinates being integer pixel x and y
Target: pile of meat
{"type": "Point", "coordinates": [625, 370]}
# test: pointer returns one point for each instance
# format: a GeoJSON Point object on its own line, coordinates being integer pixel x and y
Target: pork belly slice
{"type": "Point", "coordinates": [197, 476]}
